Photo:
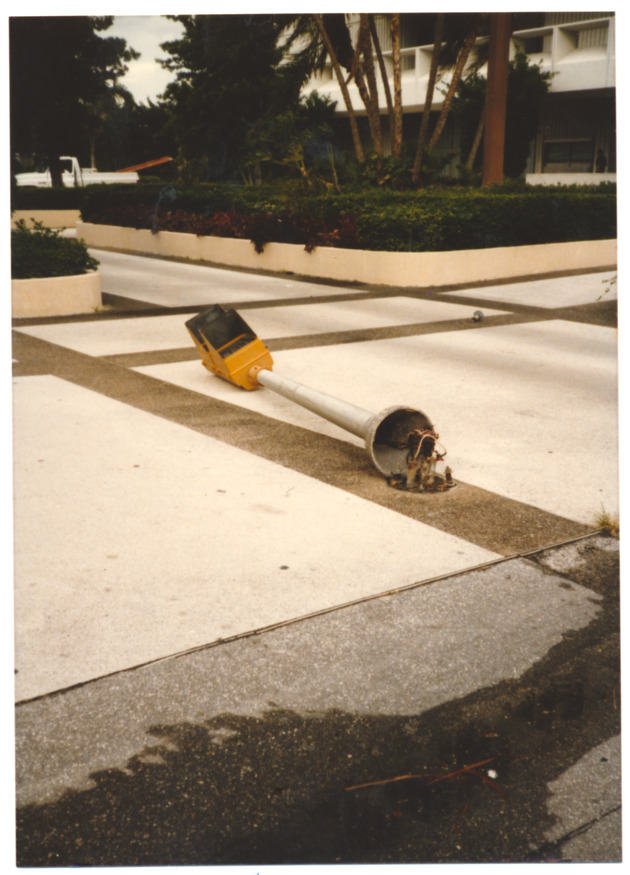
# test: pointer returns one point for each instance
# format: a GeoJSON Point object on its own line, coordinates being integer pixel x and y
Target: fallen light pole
{"type": "Point", "coordinates": [401, 442]}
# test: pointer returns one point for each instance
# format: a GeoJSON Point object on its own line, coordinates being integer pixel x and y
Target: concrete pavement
{"type": "Point", "coordinates": [221, 570]}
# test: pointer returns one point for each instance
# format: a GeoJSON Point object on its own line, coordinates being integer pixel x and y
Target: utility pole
{"type": "Point", "coordinates": [496, 97]}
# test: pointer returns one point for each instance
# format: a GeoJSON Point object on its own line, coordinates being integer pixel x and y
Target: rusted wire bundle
{"type": "Point", "coordinates": [422, 458]}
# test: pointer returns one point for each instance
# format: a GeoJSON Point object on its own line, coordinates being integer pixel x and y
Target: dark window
{"type": "Point", "coordinates": [532, 45]}
{"type": "Point", "coordinates": [568, 156]}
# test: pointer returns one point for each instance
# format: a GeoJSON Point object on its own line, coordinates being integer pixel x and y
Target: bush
{"type": "Point", "coordinates": [42, 252]}
{"type": "Point", "coordinates": [32, 198]}
{"type": "Point", "coordinates": [368, 218]}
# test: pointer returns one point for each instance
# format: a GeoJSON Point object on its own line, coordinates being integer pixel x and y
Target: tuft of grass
{"type": "Point", "coordinates": [607, 524]}
{"type": "Point", "coordinates": [610, 284]}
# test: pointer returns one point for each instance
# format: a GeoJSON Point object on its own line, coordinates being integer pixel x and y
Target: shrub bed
{"type": "Point", "coordinates": [431, 220]}
{"type": "Point", "coordinates": [42, 252]}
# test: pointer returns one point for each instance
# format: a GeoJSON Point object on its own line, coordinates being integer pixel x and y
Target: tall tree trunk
{"type": "Point", "coordinates": [371, 93]}
{"type": "Point", "coordinates": [496, 97]}
{"type": "Point", "coordinates": [397, 127]}
{"type": "Point", "coordinates": [54, 165]}
{"type": "Point", "coordinates": [356, 72]}
{"type": "Point", "coordinates": [476, 142]}
{"type": "Point", "coordinates": [358, 148]}
{"type": "Point", "coordinates": [428, 101]}
{"type": "Point", "coordinates": [384, 77]}
{"type": "Point", "coordinates": [462, 58]}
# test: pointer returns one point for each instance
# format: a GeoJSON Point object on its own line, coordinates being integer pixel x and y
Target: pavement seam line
{"type": "Point", "coordinates": [310, 616]}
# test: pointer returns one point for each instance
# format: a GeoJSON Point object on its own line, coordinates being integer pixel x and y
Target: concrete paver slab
{"type": "Point", "coordinates": [175, 284]}
{"type": "Point", "coordinates": [515, 405]}
{"type": "Point", "coordinates": [137, 538]}
{"type": "Point", "coordinates": [100, 338]}
{"type": "Point", "coordinates": [400, 654]}
{"type": "Point", "coordinates": [304, 319]}
{"type": "Point", "coordinates": [557, 292]}
{"type": "Point", "coordinates": [169, 332]}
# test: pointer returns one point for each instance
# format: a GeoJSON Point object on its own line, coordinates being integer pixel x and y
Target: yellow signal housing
{"type": "Point", "coordinates": [228, 347]}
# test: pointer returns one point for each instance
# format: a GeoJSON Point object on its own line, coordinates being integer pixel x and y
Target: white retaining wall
{"type": "Point", "coordinates": [50, 218]}
{"type": "Point", "coordinates": [56, 296]}
{"type": "Point", "coordinates": [569, 178]}
{"type": "Point", "coordinates": [399, 269]}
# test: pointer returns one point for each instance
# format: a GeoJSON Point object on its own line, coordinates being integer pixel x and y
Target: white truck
{"type": "Point", "coordinates": [74, 175]}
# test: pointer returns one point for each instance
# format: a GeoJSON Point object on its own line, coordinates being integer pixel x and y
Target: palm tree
{"type": "Point", "coordinates": [458, 70]}
{"type": "Point", "coordinates": [332, 53]}
{"type": "Point", "coordinates": [328, 35]}
{"type": "Point", "coordinates": [426, 112]}
{"type": "Point", "coordinates": [397, 127]}
{"type": "Point", "coordinates": [369, 93]}
{"type": "Point", "coordinates": [453, 44]}
{"type": "Point", "coordinates": [391, 109]}
{"type": "Point", "coordinates": [476, 142]}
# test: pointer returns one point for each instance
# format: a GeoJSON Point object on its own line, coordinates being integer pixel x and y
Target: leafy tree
{"type": "Point", "coordinates": [233, 74]}
{"type": "Point", "coordinates": [297, 140]}
{"type": "Point", "coordinates": [149, 133]}
{"type": "Point", "coordinates": [63, 79]}
{"type": "Point", "coordinates": [527, 87]}
{"type": "Point", "coordinates": [106, 125]}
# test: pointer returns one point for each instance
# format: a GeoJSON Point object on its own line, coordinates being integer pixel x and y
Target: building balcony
{"type": "Point", "coordinates": [580, 55]}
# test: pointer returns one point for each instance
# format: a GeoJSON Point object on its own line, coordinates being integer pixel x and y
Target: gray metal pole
{"type": "Point", "coordinates": [386, 434]}
{"type": "Point", "coordinates": [346, 416]}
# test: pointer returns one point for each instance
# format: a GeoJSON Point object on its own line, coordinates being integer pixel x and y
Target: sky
{"type": "Point", "coordinates": [146, 79]}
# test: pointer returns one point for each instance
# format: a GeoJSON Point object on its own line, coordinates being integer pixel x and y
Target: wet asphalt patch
{"type": "Point", "coordinates": [466, 781]}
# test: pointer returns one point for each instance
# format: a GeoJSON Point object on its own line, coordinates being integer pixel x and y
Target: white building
{"type": "Point", "coordinates": [578, 118]}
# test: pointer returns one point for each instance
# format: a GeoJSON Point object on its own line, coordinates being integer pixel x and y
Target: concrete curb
{"type": "Point", "coordinates": [399, 269]}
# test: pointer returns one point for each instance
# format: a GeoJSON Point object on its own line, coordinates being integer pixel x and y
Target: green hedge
{"type": "Point", "coordinates": [41, 252]}
{"type": "Point", "coordinates": [485, 220]}
{"type": "Point", "coordinates": [66, 198]}
{"type": "Point", "coordinates": [429, 220]}
{"type": "Point", "coordinates": [31, 198]}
